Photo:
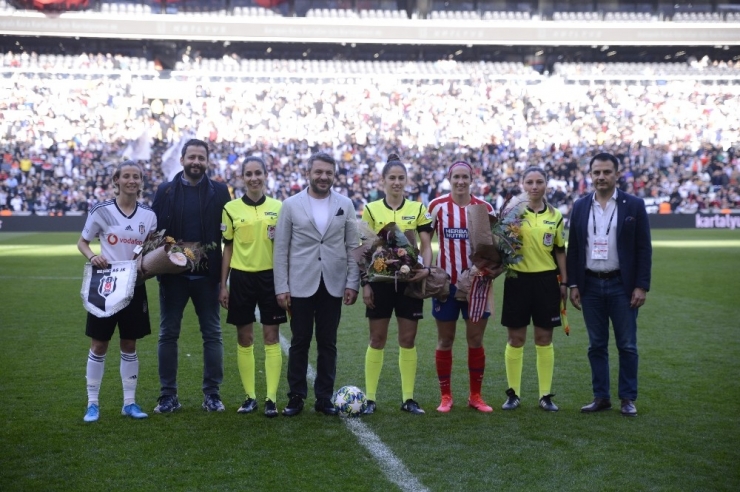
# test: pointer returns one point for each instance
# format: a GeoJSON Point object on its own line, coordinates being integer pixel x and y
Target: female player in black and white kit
{"type": "Point", "coordinates": [121, 224]}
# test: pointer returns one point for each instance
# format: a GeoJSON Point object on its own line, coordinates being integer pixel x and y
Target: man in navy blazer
{"type": "Point", "coordinates": [609, 260]}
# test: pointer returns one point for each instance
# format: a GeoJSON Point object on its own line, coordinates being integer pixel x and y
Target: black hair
{"type": "Point", "coordinates": [254, 158]}
{"type": "Point", "coordinates": [604, 156]}
{"type": "Point", "coordinates": [323, 157]}
{"type": "Point", "coordinates": [197, 143]}
{"type": "Point", "coordinates": [393, 161]}
{"type": "Point", "coordinates": [532, 169]}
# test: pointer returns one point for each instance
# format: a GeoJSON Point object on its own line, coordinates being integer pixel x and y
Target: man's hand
{"type": "Point", "coordinates": [638, 297]}
{"type": "Point", "coordinates": [283, 300]}
{"type": "Point", "coordinates": [575, 298]}
{"type": "Point", "coordinates": [350, 297]}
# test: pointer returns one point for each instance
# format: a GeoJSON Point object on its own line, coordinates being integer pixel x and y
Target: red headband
{"type": "Point", "coordinates": [459, 163]}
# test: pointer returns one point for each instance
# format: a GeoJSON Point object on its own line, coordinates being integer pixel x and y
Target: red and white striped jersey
{"type": "Point", "coordinates": [450, 222]}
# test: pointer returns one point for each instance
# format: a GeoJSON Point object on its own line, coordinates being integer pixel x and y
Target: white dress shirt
{"type": "Point", "coordinates": [601, 223]}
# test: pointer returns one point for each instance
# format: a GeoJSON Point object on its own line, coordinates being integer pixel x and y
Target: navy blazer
{"type": "Point", "coordinates": [168, 202]}
{"type": "Point", "coordinates": [634, 246]}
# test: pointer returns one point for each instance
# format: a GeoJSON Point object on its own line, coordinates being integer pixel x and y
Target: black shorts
{"type": "Point", "coordinates": [132, 321]}
{"type": "Point", "coordinates": [248, 290]}
{"type": "Point", "coordinates": [387, 299]}
{"type": "Point", "coordinates": [531, 296]}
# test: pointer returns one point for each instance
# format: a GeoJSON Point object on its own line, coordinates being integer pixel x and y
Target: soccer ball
{"type": "Point", "coordinates": [350, 401]}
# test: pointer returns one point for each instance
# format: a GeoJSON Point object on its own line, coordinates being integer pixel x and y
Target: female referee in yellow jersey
{"type": "Point", "coordinates": [534, 294]}
{"type": "Point", "coordinates": [382, 299]}
{"type": "Point", "coordinates": [249, 231]}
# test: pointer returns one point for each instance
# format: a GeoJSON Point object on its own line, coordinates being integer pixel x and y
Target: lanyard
{"type": "Point", "coordinates": [593, 216]}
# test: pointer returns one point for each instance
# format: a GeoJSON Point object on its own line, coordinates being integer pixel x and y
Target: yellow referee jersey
{"type": "Point", "coordinates": [251, 226]}
{"type": "Point", "coordinates": [410, 216]}
{"type": "Point", "coordinates": [540, 233]}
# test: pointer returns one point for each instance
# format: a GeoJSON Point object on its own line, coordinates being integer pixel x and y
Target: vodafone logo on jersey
{"type": "Point", "coordinates": [130, 240]}
{"type": "Point", "coordinates": [113, 240]}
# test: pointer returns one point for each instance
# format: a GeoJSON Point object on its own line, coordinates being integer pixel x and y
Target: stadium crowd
{"type": "Point", "coordinates": [61, 134]}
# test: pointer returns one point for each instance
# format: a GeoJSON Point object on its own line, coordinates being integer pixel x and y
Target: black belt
{"type": "Point", "coordinates": [603, 275]}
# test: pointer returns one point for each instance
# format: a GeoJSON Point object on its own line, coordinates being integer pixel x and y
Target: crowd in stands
{"type": "Point", "coordinates": [678, 142]}
{"type": "Point", "coordinates": [453, 11]}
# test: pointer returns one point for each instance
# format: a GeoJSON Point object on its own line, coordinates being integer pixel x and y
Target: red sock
{"type": "Point", "coordinates": [444, 370]}
{"type": "Point", "coordinates": [476, 366]}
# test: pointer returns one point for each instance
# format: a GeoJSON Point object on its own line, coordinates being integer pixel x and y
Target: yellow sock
{"type": "Point", "coordinates": [514, 358]}
{"type": "Point", "coordinates": [545, 367]}
{"type": "Point", "coordinates": [373, 365]}
{"type": "Point", "coordinates": [245, 362]}
{"type": "Point", "coordinates": [407, 361]}
{"type": "Point", "coordinates": [273, 368]}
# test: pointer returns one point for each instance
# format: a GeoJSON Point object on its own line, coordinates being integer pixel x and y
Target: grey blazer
{"type": "Point", "coordinates": [302, 256]}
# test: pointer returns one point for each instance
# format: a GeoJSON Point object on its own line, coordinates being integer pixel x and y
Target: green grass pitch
{"type": "Point", "coordinates": [685, 438]}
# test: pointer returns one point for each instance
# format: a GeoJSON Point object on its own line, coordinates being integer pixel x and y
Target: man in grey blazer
{"type": "Point", "coordinates": [314, 272]}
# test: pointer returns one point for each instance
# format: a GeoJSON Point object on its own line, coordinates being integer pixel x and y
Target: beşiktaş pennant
{"type": "Point", "coordinates": [105, 291]}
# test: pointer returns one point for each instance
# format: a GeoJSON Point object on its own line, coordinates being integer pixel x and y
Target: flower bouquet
{"type": "Point", "coordinates": [388, 256]}
{"type": "Point", "coordinates": [161, 254]}
{"type": "Point", "coordinates": [496, 240]}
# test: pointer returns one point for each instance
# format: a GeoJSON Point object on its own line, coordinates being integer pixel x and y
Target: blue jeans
{"type": "Point", "coordinates": [605, 300]}
{"type": "Point", "coordinates": [174, 293]}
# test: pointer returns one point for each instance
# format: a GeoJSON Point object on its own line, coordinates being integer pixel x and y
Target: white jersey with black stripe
{"type": "Point", "coordinates": [119, 233]}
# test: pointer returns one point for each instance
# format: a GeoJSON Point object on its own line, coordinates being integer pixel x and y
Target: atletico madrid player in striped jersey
{"type": "Point", "coordinates": [449, 217]}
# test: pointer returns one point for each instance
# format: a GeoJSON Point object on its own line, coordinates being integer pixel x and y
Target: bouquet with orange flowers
{"type": "Point", "coordinates": [388, 256]}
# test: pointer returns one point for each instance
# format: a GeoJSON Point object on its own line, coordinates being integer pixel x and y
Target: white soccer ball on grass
{"type": "Point", "coordinates": [350, 401]}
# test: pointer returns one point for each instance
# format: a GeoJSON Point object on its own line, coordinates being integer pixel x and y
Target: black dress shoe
{"type": "Point", "coordinates": [597, 405]}
{"type": "Point", "coordinates": [325, 406]}
{"type": "Point", "coordinates": [370, 409]}
{"type": "Point", "coordinates": [628, 408]}
{"type": "Point", "coordinates": [294, 406]}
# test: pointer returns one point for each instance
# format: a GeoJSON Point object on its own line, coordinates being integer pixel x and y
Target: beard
{"type": "Point", "coordinates": [193, 172]}
{"type": "Point", "coordinates": [318, 191]}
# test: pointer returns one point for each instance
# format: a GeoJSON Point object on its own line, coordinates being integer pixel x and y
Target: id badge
{"type": "Point", "coordinates": [600, 248]}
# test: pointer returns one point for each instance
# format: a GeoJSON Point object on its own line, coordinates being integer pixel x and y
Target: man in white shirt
{"type": "Point", "coordinates": [314, 271]}
{"type": "Point", "coordinates": [608, 261]}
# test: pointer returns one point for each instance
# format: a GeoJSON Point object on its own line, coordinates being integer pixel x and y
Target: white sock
{"type": "Point", "coordinates": [129, 377]}
{"type": "Point", "coordinates": [95, 368]}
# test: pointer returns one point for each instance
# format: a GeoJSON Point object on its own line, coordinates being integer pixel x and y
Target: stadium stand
{"type": "Point", "coordinates": [60, 161]}
{"type": "Point", "coordinates": [697, 17]}
{"type": "Point", "coordinates": [629, 17]}
{"type": "Point", "coordinates": [73, 108]}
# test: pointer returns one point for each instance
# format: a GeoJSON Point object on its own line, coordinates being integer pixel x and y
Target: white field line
{"type": "Point", "coordinates": [392, 467]}
{"type": "Point", "coordinates": [36, 277]}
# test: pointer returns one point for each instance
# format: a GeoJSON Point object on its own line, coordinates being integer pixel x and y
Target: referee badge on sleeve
{"type": "Point", "coordinates": [271, 232]}
{"type": "Point", "coordinates": [223, 227]}
{"type": "Point", "coordinates": [547, 239]}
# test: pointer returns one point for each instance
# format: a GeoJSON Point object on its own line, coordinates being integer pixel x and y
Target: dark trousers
{"type": "Point", "coordinates": [325, 310]}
